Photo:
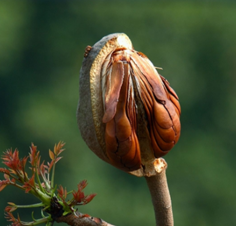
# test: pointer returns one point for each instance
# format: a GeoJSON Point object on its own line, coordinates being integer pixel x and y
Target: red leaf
{"type": "Point", "coordinates": [10, 208]}
{"type": "Point", "coordinates": [62, 192]}
{"type": "Point", "coordinates": [57, 159]}
{"type": "Point", "coordinates": [58, 148]}
{"type": "Point", "coordinates": [50, 165]}
{"type": "Point", "coordinates": [15, 222]}
{"type": "Point", "coordinates": [34, 155]}
{"type": "Point", "coordinates": [6, 176]}
{"type": "Point", "coordinates": [89, 198]}
{"type": "Point", "coordinates": [3, 170]}
{"type": "Point", "coordinates": [2, 185]}
{"type": "Point", "coordinates": [23, 161]}
{"type": "Point", "coordinates": [82, 184]}
{"type": "Point", "coordinates": [11, 159]}
{"type": "Point", "coordinates": [78, 196]}
{"type": "Point", "coordinates": [13, 180]}
{"type": "Point", "coordinates": [42, 169]}
{"type": "Point", "coordinates": [51, 155]}
{"type": "Point", "coordinates": [29, 184]}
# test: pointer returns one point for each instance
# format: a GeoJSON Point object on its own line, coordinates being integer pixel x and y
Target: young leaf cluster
{"type": "Point", "coordinates": [40, 183]}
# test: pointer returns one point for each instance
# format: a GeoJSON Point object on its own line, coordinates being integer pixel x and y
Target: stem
{"type": "Point", "coordinates": [159, 190]}
{"type": "Point", "coordinates": [45, 181]}
{"type": "Point", "coordinates": [79, 219]}
{"type": "Point", "coordinates": [46, 200]}
{"type": "Point", "coordinates": [18, 186]}
{"type": "Point", "coordinates": [40, 221]}
{"type": "Point", "coordinates": [53, 174]}
{"type": "Point", "coordinates": [38, 180]}
{"type": "Point", "coordinates": [16, 178]}
{"type": "Point", "coordinates": [30, 206]}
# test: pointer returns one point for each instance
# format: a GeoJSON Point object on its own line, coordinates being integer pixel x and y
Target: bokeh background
{"type": "Point", "coordinates": [41, 50]}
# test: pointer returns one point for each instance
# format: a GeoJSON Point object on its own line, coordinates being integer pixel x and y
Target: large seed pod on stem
{"type": "Point", "coordinates": [127, 114]}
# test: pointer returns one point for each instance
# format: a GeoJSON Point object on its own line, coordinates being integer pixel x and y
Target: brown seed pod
{"type": "Point", "coordinates": [127, 114]}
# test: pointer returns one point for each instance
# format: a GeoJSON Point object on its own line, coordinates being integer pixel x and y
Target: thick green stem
{"type": "Point", "coordinates": [46, 200]}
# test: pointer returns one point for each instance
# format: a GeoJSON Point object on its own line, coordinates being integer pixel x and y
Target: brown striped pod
{"type": "Point", "coordinates": [127, 114]}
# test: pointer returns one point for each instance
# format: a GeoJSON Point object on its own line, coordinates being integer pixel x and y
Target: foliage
{"type": "Point", "coordinates": [40, 184]}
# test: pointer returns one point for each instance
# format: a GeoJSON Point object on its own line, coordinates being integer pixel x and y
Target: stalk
{"type": "Point", "coordinates": [160, 194]}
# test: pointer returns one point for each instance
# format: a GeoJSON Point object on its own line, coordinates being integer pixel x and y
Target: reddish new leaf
{"type": "Point", "coordinates": [89, 198]}
{"type": "Point", "coordinates": [3, 170]}
{"type": "Point", "coordinates": [51, 155]}
{"type": "Point", "coordinates": [3, 184]}
{"type": "Point", "coordinates": [62, 192]}
{"type": "Point", "coordinates": [29, 184]}
{"type": "Point", "coordinates": [78, 196]}
{"type": "Point", "coordinates": [11, 159]}
{"type": "Point", "coordinates": [58, 148]}
{"type": "Point", "coordinates": [82, 184]}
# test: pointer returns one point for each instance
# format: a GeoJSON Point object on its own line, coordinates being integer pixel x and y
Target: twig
{"type": "Point", "coordinates": [79, 219]}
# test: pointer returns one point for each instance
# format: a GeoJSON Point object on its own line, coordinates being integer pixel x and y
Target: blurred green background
{"type": "Point", "coordinates": [41, 51]}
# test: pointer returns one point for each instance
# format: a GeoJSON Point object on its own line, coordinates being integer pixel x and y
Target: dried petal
{"type": "Point", "coordinates": [113, 83]}
{"type": "Point", "coordinates": [139, 117]}
{"type": "Point", "coordinates": [120, 137]}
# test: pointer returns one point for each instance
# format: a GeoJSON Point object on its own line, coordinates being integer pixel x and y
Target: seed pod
{"type": "Point", "coordinates": [127, 114]}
